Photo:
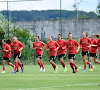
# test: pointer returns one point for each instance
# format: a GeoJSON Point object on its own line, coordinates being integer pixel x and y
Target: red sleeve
{"type": "Point", "coordinates": [33, 45]}
{"type": "Point", "coordinates": [80, 42]}
{"type": "Point", "coordinates": [47, 46]}
{"type": "Point", "coordinates": [43, 44]}
{"type": "Point", "coordinates": [66, 45]}
{"type": "Point", "coordinates": [77, 43]}
{"type": "Point", "coordinates": [21, 45]}
{"type": "Point", "coordinates": [2, 51]}
{"type": "Point", "coordinates": [57, 45]}
{"type": "Point", "coordinates": [9, 48]}
{"type": "Point", "coordinates": [89, 40]}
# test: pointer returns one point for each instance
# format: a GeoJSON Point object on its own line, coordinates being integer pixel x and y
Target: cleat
{"type": "Point", "coordinates": [84, 70]}
{"type": "Point", "coordinates": [17, 71]}
{"type": "Point", "coordinates": [65, 69]}
{"type": "Point", "coordinates": [14, 71]}
{"type": "Point", "coordinates": [40, 69]}
{"type": "Point", "coordinates": [73, 72]}
{"type": "Point", "coordinates": [3, 72]}
{"type": "Point", "coordinates": [76, 69]}
{"type": "Point", "coordinates": [44, 70]}
{"type": "Point", "coordinates": [91, 70]}
{"type": "Point", "coordinates": [56, 69]}
{"type": "Point", "coordinates": [90, 65]}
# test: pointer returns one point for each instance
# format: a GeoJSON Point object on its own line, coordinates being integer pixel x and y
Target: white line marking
{"type": "Point", "coordinates": [62, 86]}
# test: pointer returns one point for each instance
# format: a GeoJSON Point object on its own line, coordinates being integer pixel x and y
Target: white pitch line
{"type": "Point", "coordinates": [61, 86]}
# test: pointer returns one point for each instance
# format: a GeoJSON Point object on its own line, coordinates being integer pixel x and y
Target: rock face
{"type": "Point", "coordinates": [52, 27]}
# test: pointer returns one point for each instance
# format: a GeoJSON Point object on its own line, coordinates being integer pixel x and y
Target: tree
{"type": "Point", "coordinates": [98, 9]}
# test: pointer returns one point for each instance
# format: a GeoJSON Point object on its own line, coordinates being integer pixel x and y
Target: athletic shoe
{"type": "Point", "coordinates": [65, 69]}
{"type": "Point", "coordinates": [22, 68]}
{"type": "Point", "coordinates": [73, 72]}
{"type": "Point", "coordinates": [40, 69]}
{"type": "Point", "coordinates": [3, 72]}
{"type": "Point", "coordinates": [14, 71]}
{"type": "Point", "coordinates": [76, 69]}
{"type": "Point", "coordinates": [44, 70]}
{"type": "Point", "coordinates": [17, 71]}
{"type": "Point", "coordinates": [89, 65]}
{"type": "Point", "coordinates": [91, 70]}
{"type": "Point", "coordinates": [84, 70]}
{"type": "Point", "coordinates": [56, 69]}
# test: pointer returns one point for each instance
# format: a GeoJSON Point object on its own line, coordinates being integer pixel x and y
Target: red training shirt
{"type": "Point", "coordinates": [52, 45]}
{"type": "Point", "coordinates": [62, 44]}
{"type": "Point", "coordinates": [16, 46]}
{"type": "Point", "coordinates": [98, 43]}
{"type": "Point", "coordinates": [71, 44]}
{"type": "Point", "coordinates": [93, 49]}
{"type": "Point", "coordinates": [6, 47]}
{"type": "Point", "coordinates": [84, 43]}
{"type": "Point", "coordinates": [38, 45]}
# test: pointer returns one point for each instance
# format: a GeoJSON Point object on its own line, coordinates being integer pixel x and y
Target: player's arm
{"type": "Point", "coordinates": [43, 46]}
{"type": "Point", "coordinates": [8, 49]}
{"type": "Point", "coordinates": [22, 46]}
{"type": "Point", "coordinates": [80, 43]}
{"type": "Point", "coordinates": [47, 47]}
{"type": "Point", "coordinates": [78, 48]}
{"type": "Point", "coordinates": [89, 43]}
{"type": "Point", "coordinates": [65, 45]}
{"type": "Point", "coordinates": [57, 46]}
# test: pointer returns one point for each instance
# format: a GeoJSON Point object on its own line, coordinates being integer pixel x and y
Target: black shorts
{"type": "Point", "coordinates": [85, 53]}
{"type": "Point", "coordinates": [62, 56]}
{"type": "Point", "coordinates": [71, 56]}
{"type": "Point", "coordinates": [52, 58]}
{"type": "Point", "coordinates": [7, 59]}
{"type": "Point", "coordinates": [93, 55]}
{"type": "Point", "coordinates": [17, 55]}
{"type": "Point", "coordinates": [39, 56]}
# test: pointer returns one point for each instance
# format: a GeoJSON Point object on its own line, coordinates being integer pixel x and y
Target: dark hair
{"type": "Point", "coordinates": [52, 37]}
{"type": "Point", "coordinates": [8, 41]}
{"type": "Point", "coordinates": [69, 33]}
{"type": "Point", "coordinates": [97, 35]}
{"type": "Point", "coordinates": [59, 34]}
{"type": "Point", "coordinates": [4, 40]}
{"type": "Point", "coordinates": [37, 37]}
{"type": "Point", "coordinates": [16, 36]}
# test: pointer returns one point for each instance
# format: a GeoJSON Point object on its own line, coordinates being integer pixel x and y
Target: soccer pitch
{"type": "Point", "coordinates": [33, 79]}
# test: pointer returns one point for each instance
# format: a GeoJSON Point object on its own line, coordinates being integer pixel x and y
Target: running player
{"type": "Point", "coordinates": [98, 41]}
{"type": "Point", "coordinates": [93, 51]}
{"type": "Point", "coordinates": [38, 46]}
{"type": "Point", "coordinates": [71, 45]}
{"type": "Point", "coordinates": [53, 47]}
{"type": "Point", "coordinates": [62, 51]}
{"type": "Point", "coordinates": [6, 53]}
{"type": "Point", "coordinates": [17, 48]}
{"type": "Point", "coordinates": [85, 44]}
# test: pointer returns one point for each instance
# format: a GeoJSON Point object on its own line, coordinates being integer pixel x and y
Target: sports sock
{"type": "Point", "coordinates": [72, 67]}
{"type": "Point", "coordinates": [16, 65]}
{"type": "Point", "coordinates": [88, 63]}
{"type": "Point", "coordinates": [91, 67]}
{"type": "Point", "coordinates": [42, 65]}
{"type": "Point", "coordinates": [20, 64]}
{"type": "Point", "coordinates": [84, 67]}
{"type": "Point", "coordinates": [63, 64]}
{"type": "Point", "coordinates": [39, 64]}
{"type": "Point", "coordinates": [3, 69]}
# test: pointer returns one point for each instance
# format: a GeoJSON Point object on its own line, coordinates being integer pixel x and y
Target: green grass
{"type": "Point", "coordinates": [33, 79]}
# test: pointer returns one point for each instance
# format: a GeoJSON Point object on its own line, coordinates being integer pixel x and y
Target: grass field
{"type": "Point", "coordinates": [33, 79]}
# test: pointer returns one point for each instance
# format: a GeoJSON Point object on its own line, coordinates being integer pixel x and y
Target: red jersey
{"type": "Point", "coordinates": [62, 44]}
{"type": "Point", "coordinates": [38, 46]}
{"type": "Point", "coordinates": [98, 43]}
{"type": "Point", "coordinates": [52, 45]}
{"type": "Point", "coordinates": [6, 47]}
{"type": "Point", "coordinates": [71, 44]}
{"type": "Point", "coordinates": [84, 43]}
{"type": "Point", "coordinates": [16, 46]}
{"type": "Point", "coordinates": [93, 49]}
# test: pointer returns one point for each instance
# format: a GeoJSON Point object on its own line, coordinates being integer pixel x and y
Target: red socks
{"type": "Point", "coordinates": [3, 69]}
{"type": "Point", "coordinates": [20, 64]}
{"type": "Point", "coordinates": [88, 63]}
{"type": "Point", "coordinates": [63, 64]}
{"type": "Point", "coordinates": [54, 66]}
{"type": "Point", "coordinates": [91, 67]}
{"type": "Point", "coordinates": [16, 65]}
{"type": "Point", "coordinates": [72, 67]}
{"type": "Point", "coordinates": [84, 67]}
{"type": "Point", "coordinates": [42, 65]}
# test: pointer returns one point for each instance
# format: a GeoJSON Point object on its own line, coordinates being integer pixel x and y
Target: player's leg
{"type": "Point", "coordinates": [8, 61]}
{"type": "Point", "coordinates": [42, 65]}
{"type": "Point", "coordinates": [85, 62]}
{"type": "Point", "coordinates": [39, 63]}
{"type": "Point", "coordinates": [71, 65]}
{"type": "Point", "coordinates": [3, 61]}
{"type": "Point", "coordinates": [91, 63]}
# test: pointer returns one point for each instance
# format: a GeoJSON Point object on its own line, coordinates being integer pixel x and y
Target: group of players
{"type": "Point", "coordinates": [88, 46]}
